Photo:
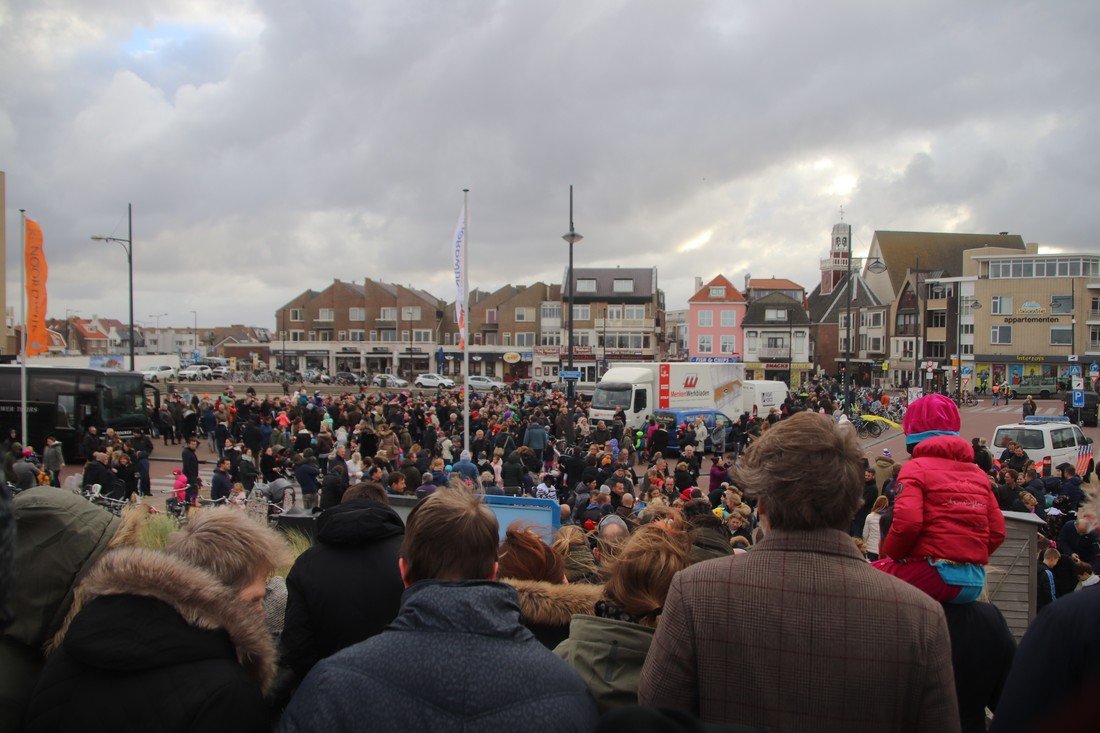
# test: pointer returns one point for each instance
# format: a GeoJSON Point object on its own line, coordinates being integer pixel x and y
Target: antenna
{"type": "Point", "coordinates": [842, 212]}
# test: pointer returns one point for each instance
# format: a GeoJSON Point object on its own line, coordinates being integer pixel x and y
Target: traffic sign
{"type": "Point", "coordinates": [1072, 358]}
{"type": "Point", "coordinates": [1077, 382]}
{"type": "Point", "coordinates": [1078, 398]}
{"type": "Point", "coordinates": [1075, 371]}
{"type": "Point", "coordinates": [1094, 368]}
{"type": "Point", "coordinates": [570, 374]}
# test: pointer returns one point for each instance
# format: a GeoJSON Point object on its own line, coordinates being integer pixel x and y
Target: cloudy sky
{"type": "Point", "coordinates": [270, 146]}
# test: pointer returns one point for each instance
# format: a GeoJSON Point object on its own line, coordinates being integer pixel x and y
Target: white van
{"type": "Point", "coordinates": [1049, 441]}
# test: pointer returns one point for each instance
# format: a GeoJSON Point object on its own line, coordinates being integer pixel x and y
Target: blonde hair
{"type": "Point", "coordinates": [880, 504]}
{"type": "Point", "coordinates": [229, 545]}
{"type": "Point", "coordinates": [639, 575]}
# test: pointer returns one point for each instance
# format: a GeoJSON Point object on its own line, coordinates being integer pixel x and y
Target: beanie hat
{"type": "Point", "coordinates": [930, 416]}
{"type": "Point", "coordinates": [886, 453]}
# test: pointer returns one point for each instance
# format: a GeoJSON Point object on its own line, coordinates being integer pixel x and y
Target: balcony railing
{"type": "Point", "coordinates": [773, 352]}
{"type": "Point", "coordinates": [619, 323]}
{"type": "Point", "coordinates": [1094, 315]}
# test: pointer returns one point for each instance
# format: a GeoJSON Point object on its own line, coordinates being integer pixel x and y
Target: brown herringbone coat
{"type": "Point", "coordinates": [801, 634]}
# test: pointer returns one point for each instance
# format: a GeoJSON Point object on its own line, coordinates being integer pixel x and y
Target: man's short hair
{"type": "Point", "coordinates": [229, 545]}
{"type": "Point", "coordinates": [366, 490]}
{"type": "Point", "coordinates": [450, 535]}
{"type": "Point", "coordinates": [806, 471]}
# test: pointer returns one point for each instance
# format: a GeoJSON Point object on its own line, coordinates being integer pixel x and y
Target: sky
{"type": "Point", "coordinates": [270, 147]}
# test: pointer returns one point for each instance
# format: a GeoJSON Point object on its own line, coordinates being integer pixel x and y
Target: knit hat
{"type": "Point", "coordinates": [886, 453]}
{"type": "Point", "coordinates": [605, 489]}
{"type": "Point", "coordinates": [930, 416]}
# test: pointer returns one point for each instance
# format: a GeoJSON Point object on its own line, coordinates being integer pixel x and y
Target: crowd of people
{"type": "Point", "coordinates": [770, 579]}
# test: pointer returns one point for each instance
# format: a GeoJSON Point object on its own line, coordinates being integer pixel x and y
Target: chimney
{"type": "Point", "coordinates": [698, 283]}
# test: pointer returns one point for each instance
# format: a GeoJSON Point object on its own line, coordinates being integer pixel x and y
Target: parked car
{"type": "Point", "coordinates": [1049, 441]}
{"type": "Point", "coordinates": [1089, 413]}
{"type": "Point", "coordinates": [431, 380]}
{"type": "Point", "coordinates": [1042, 387]}
{"type": "Point", "coordinates": [159, 373]}
{"type": "Point", "coordinates": [221, 372]}
{"type": "Point", "coordinates": [314, 376]}
{"type": "Point", "coordinates": [389, 381]}
{"type": "Point", "coordinates": [348, 378]}
{"type": "Point", "coordinates": [477, 381]}
{"type": "Point", "coordinates": [195, 373]}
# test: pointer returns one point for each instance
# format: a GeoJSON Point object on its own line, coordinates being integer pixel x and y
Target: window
{"type": "Point", "coordinates": [968, 349]}
{"type": "Point", "coordinates": [876, 344]}
{"type": "Point", "coordinates": [717, 292]}
{"type": "Point", "coordinates": [1061, 335]}
{"type": "Point", "coordinates": [388, 335]}
{"type": "Point", "coordinates": [491, 315]}
{"type": "Point", "coordinates": [775, 314]}
{"type": "Point", "coordinates": [876, 319]}
{"type": "Point", "coordinates": [634, 312]}
{"type": "Point", "coordinates": [777, 342]}
{"type": "Point", "coordinates": [750, 341]}
{"type": "Point", "coordinates": [728, 343]}
{"type": "Point", "coordinates": [551, 311]}
{"type": "Point", "coordinates": [507, 338]}
{"type": "Point", "coordinates": [342, 336]}
{"type": "Point", "coordinates": [297, 335]}
{"type": "Point", "coordinates": [1001, 335]}
{"type": "Point", "coordinates": [580, 338]}
{"type": "Point", "coordinates": [729, 319]}
{"type": "Point", "coordinates": [325, 314]}
{"type": "Point", "coordinates": [312, 335]}
{"type": "Point", "coordinates": [404, 335]}
{"type": "Point", "coordinates": [422, 335]}
{"type": "Point", "coordinates": [373, 335]}
{"type": "Point", "coordinates": [936, 350]}
{"type": "Point", "coordinates": [525, 338]}
{"type": "Point", "coordinates": [613, 312]}
{"type": "Point", "coordinates": [705, 344]}
{"type": "Point", "coordinates": [1094, 338]}
{"type": "Point", "coordinates": [410, 313]}
{"type": "Point", "coordinates": [1001, 305]}
{"type": "Point", "coordinates": [937, 319]}
{"type": "Point", "coordinates": [586, 285]}
{"type": "Point", "coordinates": [706, 319]}
{"type": "Point", "coordinates": [387, 314]}
{"type": "Point", "coordinates": [447, 338]}
{"type": "Point", "coordinates": [967, 329]}
{"type": "Point", "coordinates": [550, 338]}
{"type": "Point", "coordinates": [1062, 438]}
{"type": "Point", "coordinates": [623, 285]}
{"type": "Point", "coordinates": [356, 334]}
{"type": "Point", "coordinates": [582, 312]}
{"type": "Point", "coordinates": [1061, 304]}
{"type": "Point", "coordinates": [357, 314]}
{"type": "Point", "coordinates": [525, 315]}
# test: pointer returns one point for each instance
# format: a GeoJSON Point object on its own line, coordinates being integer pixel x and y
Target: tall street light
{"type": "Point", "coordinates": [128, 245]}
{"type": "Point", "coordinates": [157, 317]}
{"type": "Point", "coordinates": [876, 266]}
{"type": "Point", "coordinates": [195, 332]}
{"type": "Point", "coordinates": [973, 304]}
{"type": "Point", "coordinates": [572, 238]}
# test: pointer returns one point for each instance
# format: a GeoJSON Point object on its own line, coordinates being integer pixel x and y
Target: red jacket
{"type": "Point", "coordinates": [945, 507]}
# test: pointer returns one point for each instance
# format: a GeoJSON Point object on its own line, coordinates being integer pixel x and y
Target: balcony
{"type": "Point", "coordinates": [834, 263]}
{"type": "Point", "coordinates": [1094, 315]}
{"type": "Point", "coordinates": [773, 352]}
{"type": "Point", "coordinates": [625, 324]}
{"type": "Point", "coordinates": [1094, 347]}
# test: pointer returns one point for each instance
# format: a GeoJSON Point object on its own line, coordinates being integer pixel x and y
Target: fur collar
{"type": "Point", "coordinates": [199, 597]}
{"type": "Point", "coordinates": [553, 604]}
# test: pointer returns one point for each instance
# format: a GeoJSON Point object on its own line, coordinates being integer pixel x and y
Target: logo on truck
{"type": "Point", "coordinates": [691, 381]}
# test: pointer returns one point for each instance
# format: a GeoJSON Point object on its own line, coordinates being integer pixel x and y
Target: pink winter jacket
{"type": "Point", "coordinates": [945, 508]}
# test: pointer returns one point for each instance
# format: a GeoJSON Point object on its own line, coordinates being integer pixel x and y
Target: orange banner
{"type": "Point", "coordinates": [38, 338]}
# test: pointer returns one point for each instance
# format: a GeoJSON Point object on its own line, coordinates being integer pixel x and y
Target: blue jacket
{"type": "Point", "coordinates": [535, 438]}
{"type": "Point", "coordinates": [1071, 489]}
{"type": "Point", "coordinates": [456, 658]}
{"type": "Point", "coordinates": [467, 470]}
{"type": "Point", "coordinates": [306, 474]}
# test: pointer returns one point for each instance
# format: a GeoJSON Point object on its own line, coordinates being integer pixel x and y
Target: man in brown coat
{"type": "Point", "coordinates": [801, 634]}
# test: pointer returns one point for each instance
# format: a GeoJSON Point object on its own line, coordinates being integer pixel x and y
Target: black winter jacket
{"type": "Point", "coordinates": [346, 588]}
{"type": "Point", "coordinates": [512, 472]}
{"type": "Point", "coordinates": [160, 645]}
{"type": "Point", "coordinates": [455, 659]}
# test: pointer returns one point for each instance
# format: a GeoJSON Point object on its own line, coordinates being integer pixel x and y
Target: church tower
{"type": "Point", "coordinates": [835, 266]}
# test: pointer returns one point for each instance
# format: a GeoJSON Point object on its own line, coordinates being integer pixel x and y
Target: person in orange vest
{"type": "Point", "coordinates": [996, 394]}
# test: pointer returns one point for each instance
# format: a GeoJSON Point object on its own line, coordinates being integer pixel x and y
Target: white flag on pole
{"type": "Point", "coordinates": [459, 256]}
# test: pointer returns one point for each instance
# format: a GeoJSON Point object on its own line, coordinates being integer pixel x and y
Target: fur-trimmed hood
{"type": "Point", "coordinates": [196, 595]}
{"type": "Point", "coordinates": [553, 604]}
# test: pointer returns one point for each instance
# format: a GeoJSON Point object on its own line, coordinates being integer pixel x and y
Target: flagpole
{"type": "Point", "coordinates": [23, 318]}
{"type": "Point", "coordinates": [466, 442]}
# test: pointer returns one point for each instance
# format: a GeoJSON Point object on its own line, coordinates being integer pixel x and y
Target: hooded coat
{"type": "Point", "coordinates": [547, 608]}
{"type": "Point", "coordinates": [945, 508]}
{"type": "Point", "coordinates": [158, 645]}
{"type": "Point", "coordinates": [456, 658]}
{"type": "Point", "coordinates": [608, 654]}
{"type": "Point", "coordinates": [346, 588]}
{"type": "Point", "coordinates": [45, 583]}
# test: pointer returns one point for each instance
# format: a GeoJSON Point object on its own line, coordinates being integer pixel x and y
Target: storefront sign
{"type": "Point", "coordinates": [1031, 307]}
{"type": "Point", "coordinates": [715, 359]}
{"type": "Point", "coordinates": [547, 351]}
{"type": "Point", "coordinates": [511, 357]}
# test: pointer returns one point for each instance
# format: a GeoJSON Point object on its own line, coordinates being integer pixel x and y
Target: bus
{"type": "Point", "coordinates": [65, 401]}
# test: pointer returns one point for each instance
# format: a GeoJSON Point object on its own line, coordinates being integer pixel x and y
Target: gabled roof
{"type": "Point", "coordinates": [756, 311]}
{"type": "Point", "coordinates": [942, 251]}
{"type": "Point", "coordinates": [733, 295]}
{"type": "Point", "coordinates": [645, 281]}
{"type": "Point", "coordinates": [86, 331]}
{"type": "Point", "coordinates": [827, 308]}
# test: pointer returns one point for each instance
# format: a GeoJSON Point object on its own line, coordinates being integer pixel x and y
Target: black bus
{"type": "Point", "coordinates": [64, 401]}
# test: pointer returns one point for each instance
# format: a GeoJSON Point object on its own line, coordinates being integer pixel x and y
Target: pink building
{"type": "Point", "coordinates": [715, 313]}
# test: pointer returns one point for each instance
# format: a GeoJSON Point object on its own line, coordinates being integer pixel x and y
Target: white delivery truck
{"type": "Point", "coordinates": [759, 396]}
{"type": "Point", "coordinates": [641, 388]}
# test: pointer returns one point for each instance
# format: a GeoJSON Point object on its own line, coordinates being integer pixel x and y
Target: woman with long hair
{"type": "Point", "coordinates": [871, 532]}
{"type": "Point", "coordinates": [608, 647]}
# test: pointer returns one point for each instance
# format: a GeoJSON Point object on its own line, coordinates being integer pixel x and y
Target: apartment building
{"type": "Point", "coordinates": [777, 339]}
{"type": "Point", "coordinates": [618, 315]}
{"type": "Point", "coordinates": [512, 330]}
{"type": "Point", "coordinates": [715, 315]}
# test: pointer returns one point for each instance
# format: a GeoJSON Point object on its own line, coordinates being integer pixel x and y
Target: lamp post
{"type": "Point", "coordinates": [195, 331]}
{"type": "Point", "coordinates": [572, 238]}
{"type": "Point", "coordinates": [157, 317]}
{"type": "Point", "coordinates": [878, 267]}
{"type": "Point", "coordinates": [128, 245]}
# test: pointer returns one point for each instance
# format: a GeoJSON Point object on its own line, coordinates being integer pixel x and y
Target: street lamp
{"type": "Point", "coordinates": [195, 332]}
{"type": "Point", "coordinates": [157, 317]}
{"type": "Point", "coordinates": [572, 238]}
{"type": "Point", "coordinates": [128, 245]}
{"type": "Point", "coordinates": [964, 301]}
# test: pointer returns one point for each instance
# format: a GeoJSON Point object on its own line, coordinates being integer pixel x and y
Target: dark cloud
{"type": "Point", "coordinates": [270, 147]}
